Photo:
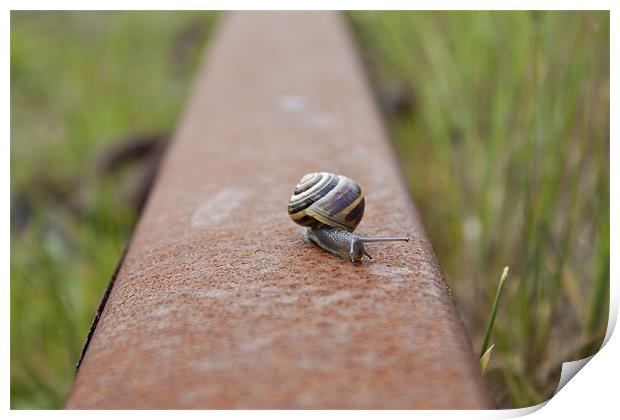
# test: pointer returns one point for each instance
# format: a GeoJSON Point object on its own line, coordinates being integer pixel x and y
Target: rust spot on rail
{"type": "Point", "coordinates": [220, 303]}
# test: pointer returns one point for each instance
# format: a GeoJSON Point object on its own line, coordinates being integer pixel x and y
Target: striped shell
{"type": "Point", "coordinates": [326, 198]}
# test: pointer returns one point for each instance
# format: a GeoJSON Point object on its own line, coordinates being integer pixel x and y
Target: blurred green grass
{"type": "Point", "coordinates": [501, 122]}
{"type": "Point", "coordinates": [80, 83]}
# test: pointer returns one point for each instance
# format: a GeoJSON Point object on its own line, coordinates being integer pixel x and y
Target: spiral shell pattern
{"type": "Point", "coordinates": [322, 197]}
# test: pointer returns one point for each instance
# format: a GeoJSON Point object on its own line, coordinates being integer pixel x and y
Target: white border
{"type": "Point", "coordinates": [314, 5]}
{"type": "Point", "coordinates": [593, 392]}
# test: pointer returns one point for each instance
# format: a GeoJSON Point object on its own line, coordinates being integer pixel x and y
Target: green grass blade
{"type": "Point", "coordinates": [486, 358]}
{"type": "Point", "coordinates": [487, 335]}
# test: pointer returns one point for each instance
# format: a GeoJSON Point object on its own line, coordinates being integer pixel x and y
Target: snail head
{"type": "Point", "coordinates": [357, 251]}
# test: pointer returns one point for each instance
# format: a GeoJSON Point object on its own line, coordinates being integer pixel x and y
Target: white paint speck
{"type": "Point", "coordinates": [387, 271]}
{"type": "Point", "coordinates": [329, 299]}
{"type": "Point", "coordinates": [291, 103]}
{"type": "Point", "coordinates": [318, 120]}
{"type": "Point", "coordinates": [216, 293]}
{"type": "Point", "coordinates": [219, 206]}
{"type": "Point", "coordinates": [211, 365]}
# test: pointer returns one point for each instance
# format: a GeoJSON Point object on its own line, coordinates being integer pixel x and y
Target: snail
{"type": "Point", "coordinates": [331, 206]}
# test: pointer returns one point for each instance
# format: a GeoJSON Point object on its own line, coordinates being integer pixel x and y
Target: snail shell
{"type": "Point", "coordinates": [328, 199]}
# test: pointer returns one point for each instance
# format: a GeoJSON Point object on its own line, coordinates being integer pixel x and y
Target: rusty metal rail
{"type": "Point", "coordinates": [219, 302]}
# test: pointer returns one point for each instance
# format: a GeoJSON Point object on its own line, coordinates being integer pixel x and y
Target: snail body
{"type": "Point", "coordinates": [330, 207]}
